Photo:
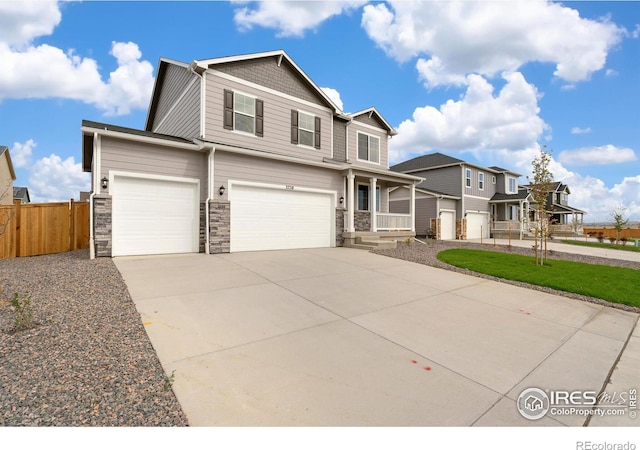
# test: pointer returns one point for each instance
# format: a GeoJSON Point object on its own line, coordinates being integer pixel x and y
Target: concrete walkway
{"type": "Point", "coordinates": [343, 337]}
{"type": "Point", "coordinates": [557, 246]}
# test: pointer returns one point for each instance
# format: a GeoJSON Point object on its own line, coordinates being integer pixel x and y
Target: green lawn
{"type": "Point", "coordinates": [629, 247]}
{"type": "Point", "coordinates": [614, 284]}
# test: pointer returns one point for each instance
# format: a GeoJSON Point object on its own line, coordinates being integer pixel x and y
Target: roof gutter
{"type": "Point", "coordinates": [138, 138]}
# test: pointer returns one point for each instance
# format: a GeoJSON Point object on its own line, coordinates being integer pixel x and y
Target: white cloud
{"type": "Point", "coordinates": [21, 153]}
{"type": "Point", "coordinates": [22, 21]}
{"type": "Point", "coordinates": [611, 72]}
{"type": "Point", "coordinates": [480, 120]}
{"type": "Point", "coordinates": [290, 18]}
{"type": "Point", "coordinates": [578, 130]}
{"type": "Point", "coordinates": [334, 96]}
{"type": "Point", "coordinates": [605, 154]}
{"type": "Point", "coordinates": [52, 179]}
{"type": "Point", "coordinates": [67, 75]}
{"type": "Point", "coordinates": [455, 38]}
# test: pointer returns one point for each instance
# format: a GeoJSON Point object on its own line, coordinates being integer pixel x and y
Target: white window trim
{"type": "Point", "coordinates": [313, 130]}
{"type": "Point", "coordinates": [515, 182]}
{"type": "Point", "coordinates": [493, 179]}
{"type": "Point", "coordinates": [467, 177]}
{"type": "Point", "coordinates": [481, 180]}
{"type": "Point", "coordinates": [358, 133]}
{"type": "Point", "coordinates": [245, 133]}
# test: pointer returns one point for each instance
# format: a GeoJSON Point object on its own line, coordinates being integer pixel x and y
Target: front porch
{"type": "Point", "coordinates": [367, 222]}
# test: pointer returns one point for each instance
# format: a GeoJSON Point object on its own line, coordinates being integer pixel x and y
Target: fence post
{"type": "Point", "coordinates": [72, 224]}
{"type": "Point", "coordinates": [18, 219]}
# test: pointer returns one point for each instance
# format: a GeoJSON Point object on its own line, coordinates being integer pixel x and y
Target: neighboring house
{"type": "Point", "coordinates": [564, 219]}
{"type": "Point", "coordinates": [458, 199]}
{"type": "Point", "coordinates": [22, 194]}
{"type": "Point", "coordinates": [241, 153]}
{"type": "Point", "coordinates": [7, 177]}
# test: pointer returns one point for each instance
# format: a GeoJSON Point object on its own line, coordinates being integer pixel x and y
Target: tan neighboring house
{"type": "Point", "coordinates": [242, 153]}
{"type": "Point", "coordinates": [7, 177]}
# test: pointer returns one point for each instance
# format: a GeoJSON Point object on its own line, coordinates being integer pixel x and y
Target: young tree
{"type": "Point", "coordinates": [540, 184]}
{"type": "Point", "coordinates": [619, 220]}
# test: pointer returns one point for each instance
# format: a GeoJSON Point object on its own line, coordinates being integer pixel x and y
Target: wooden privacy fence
{"type": "Point", "coordinates": [43, 228]}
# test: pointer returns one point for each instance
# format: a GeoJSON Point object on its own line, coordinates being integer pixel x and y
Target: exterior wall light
{"type": "Point", "coordinates": [341, 200]}
{"type": "Point", "coordinates": [221, 190]}
{"type": "Point", "coordinates": [105, 182]}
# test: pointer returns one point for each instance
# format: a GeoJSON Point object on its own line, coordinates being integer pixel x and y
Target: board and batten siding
{"type": "Point", "coordinates": [352, 144]}
{"type": "Point", "coordinates": [277, 121]}
{"type": "Point", "coordinates": [127, 156]}
{"type": "Point", "coordinates": [178, 109]}
{"type": "Point", "coordinates": [229, 166]}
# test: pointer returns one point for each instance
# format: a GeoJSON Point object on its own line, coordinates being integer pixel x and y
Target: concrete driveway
{"type": "Point", "coordinates": [343, 337]}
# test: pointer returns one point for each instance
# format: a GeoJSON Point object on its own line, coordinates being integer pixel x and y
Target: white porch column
{"type": "Point", "coordinates": [521, 216]}
{"type": "Point", "coordinates": [374, 204]}
{"type": "Point", "coordinates": [412, 206]}
{"type": "Point", "coordinates": [351, 202]}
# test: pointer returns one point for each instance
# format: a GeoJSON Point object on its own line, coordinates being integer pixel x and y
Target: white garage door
{"type": "Point", "coordinates": [448, 225]}
{"type": "Point", "coordinates": [155, 216]}
{"type": "Point", "coordinates": [477, 225]}
{"type": "Point", "coordinates": [264, 218]}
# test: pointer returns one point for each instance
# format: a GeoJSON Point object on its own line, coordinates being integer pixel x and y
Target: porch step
{"type": "Point", "coordinates": [375, 246]}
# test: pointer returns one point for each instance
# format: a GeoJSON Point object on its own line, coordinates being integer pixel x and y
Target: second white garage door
{"type": "Point", "coordinates": [154, 216]}
{"type": "Point", "coordinates": [448, 225]}
{"type": "Point", "coordinates": [477, 225]}
{"type": "Point", "coordinates": [266, 218]}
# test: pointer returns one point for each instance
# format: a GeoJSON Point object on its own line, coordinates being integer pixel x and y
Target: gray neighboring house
{"type": "Point", "coordinates": [22, 194]}
{"type": "Point", "coordinates": [241, 153]}
{"type": "Point", "coordinates": [461, 200]}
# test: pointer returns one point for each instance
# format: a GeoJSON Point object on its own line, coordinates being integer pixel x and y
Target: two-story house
{"type": "Point", "coordinates": [563, 219]}
{"type": "Point", "coordinates": [241, 153]}
{"type": "Point", "coordinates": [461, 200]}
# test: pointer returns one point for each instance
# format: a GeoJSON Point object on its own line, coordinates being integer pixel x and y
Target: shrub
{"type": "Point", "coordinates": [624, 240]}
{"type": "Point", "coordinates": [23, 312]}
{"type": "Point", "coordinates": [600, 238]}
{"type": "Point", "coordinates": [612, 240]}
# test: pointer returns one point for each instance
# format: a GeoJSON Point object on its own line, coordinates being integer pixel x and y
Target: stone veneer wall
{"type": "Point", "coordinates": [461, 229]}
{"type": "Point", "coordinates": [219, 227]}
{"type": "Point", "coordinates": [339, 227]}
{"type": "Point", "coordinates": [203, 227]}
{"type": "Point", "coordinates": [102, 225]}
{"type": "Point", "coordinates": [362, 220]}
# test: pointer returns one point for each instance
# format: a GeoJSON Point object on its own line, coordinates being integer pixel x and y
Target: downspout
{"type": "Point", "coordinates": [94, 189]}
{"type": "Point", "coordinates": [207, 226]}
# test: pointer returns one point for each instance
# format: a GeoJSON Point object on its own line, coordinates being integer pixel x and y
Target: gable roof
{"type": "Point", "coordinates": [5, 151]}
{"type": "Point", "coordinates": [429, 161]}
{"type": "Point", "coordinates": [203, 64]}
{"type": "Point", "coordinates": [501, 197]}
{"type": "Point", "coordinates": [370, 112]}
{"type": "Point", "coordinates": [21, 192]}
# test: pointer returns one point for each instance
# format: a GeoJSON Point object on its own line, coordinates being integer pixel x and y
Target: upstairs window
{"type": "Point", "coordinates": [481, 181]}
{"type": "Point", "coordinates": [243, 113]}
{"type": "Point", "coordinates": [513, 187]}
{"type": "Point", "coordinates": [305, 129]}
{"type": "Point", "coordinates": [368, 148]}
{"type": "Point", "coordinates": [467, 174]}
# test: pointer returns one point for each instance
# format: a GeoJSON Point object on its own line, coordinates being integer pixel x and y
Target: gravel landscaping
{"type": "Point", "coordinates": [427, 254]}
{"type": "Point", "coordinates": [86, 360]}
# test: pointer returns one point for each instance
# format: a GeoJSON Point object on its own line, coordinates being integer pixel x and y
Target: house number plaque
{"type": "Point", "coordinates": [289, 187]}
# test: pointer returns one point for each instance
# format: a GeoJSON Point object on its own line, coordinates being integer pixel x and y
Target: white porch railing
{"type": "Point", "coordinates": [506, 225]}
{"type": "Point", "coordinates": [389, 222]}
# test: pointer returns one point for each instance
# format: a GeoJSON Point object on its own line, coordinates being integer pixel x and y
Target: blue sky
{"type": "Point", "coordinates": [488, 82]}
